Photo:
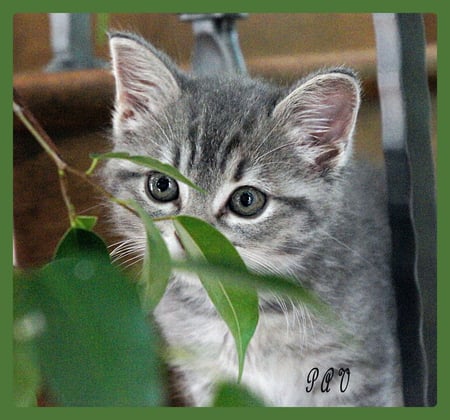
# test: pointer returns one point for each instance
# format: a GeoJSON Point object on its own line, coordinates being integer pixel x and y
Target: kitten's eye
{"type": "Point", "coordinates": [162, 187]}
{"type": "Point", "coordinates": [247, 201]}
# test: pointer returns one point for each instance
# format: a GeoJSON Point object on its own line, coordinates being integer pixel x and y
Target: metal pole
{"type": "Point", "coordinates": [71, 41]}
{"type": "Point", "coordinates": [216, 47]}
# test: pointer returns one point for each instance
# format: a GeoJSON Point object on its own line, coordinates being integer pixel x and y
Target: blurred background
{"type": "Point", "coordinates": [74, 106]}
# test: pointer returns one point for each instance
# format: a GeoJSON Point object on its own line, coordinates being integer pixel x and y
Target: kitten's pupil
{"type": "Point", "coordinates": [162, 184]}
{"type": "Point", "coordinates": [246, 199]}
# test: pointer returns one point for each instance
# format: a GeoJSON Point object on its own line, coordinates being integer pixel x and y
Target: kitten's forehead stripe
{"type": "Point", "coordinates": [232, 145]}
{"type": "Point", "coordinates": [176, 157]}
{"type": "Point", "coordinates": [297, 203]}
{"type": "Point", "coordinates": [194, 133]}
{"type": "Point", "coordinates": [193, 149]}
{"type": "Point", "coordinates": [240, 169]}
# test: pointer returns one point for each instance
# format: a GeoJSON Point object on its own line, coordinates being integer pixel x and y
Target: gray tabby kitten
{"type": "Point", "coordinates": [282, 186]}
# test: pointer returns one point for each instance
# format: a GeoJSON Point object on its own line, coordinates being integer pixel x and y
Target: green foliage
{"type": "Point", "coordinates": [246, 280]}
{"type": "Point", "coordinates": [78, 241]}
{"type": "Point", "coordinates": [235, 395]}
{"type": "Point", "coordinates": [82, 326]}
{"type": "Point", "coordinates": [96, 347]}
{"type": "Point", "coordinates": [157, 267]}
{"type": "Point", "coordinates": [85, 222]}
{"type": "Point", "coordinates": [27, 325]}
{"type": "Point", "coordinates": [238, 307]}
{"type": "Point", "coordinates": [26, 375]}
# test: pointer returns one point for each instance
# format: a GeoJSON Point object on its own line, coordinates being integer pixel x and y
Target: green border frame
{"type": "Point", "coordinates": [303, 6]}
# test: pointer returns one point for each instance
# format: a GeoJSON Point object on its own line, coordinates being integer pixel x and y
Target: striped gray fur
{"type": "Point", "coordinates": [323, 223]}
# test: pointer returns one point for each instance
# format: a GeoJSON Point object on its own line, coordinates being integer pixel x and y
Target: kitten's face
{"type": "Point", "coordinates": [267, 158]}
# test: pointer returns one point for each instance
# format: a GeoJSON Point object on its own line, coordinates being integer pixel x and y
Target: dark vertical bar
{"type": "Point", "coordinates": [417, 99]}
{"type": "Point", "coordinates": [405, 107]}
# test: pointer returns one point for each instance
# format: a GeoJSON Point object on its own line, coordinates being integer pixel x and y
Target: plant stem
{"type": "Point", "coordinates": [35, 128]}
{"type": "Point", "coordinates": [86, 178]}
{"type": "Point", "coordinates": [66, 197]}
{"type": "Point", "coordinates": [38, 132]}
{"type": "Point", "coordinates": [92, 167]}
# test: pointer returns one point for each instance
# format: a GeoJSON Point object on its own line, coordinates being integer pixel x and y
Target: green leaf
{"type": "Point", "coordinates": [234, 395]}
{"type": "Point", "coordinates": [78, 241]}
{"type": "Point", "coordinates": [27, 327]}
{"type": "Point", "coordinates": [97, 348]}
{"type": "Point", "coordinates": [149, 163]}
{"type": "Point", "coordinates": [238, 307]}
{"type": "Point", "coordinates": [26, 375]}
{"type": "Point", "coordinates": [157, 262]}
{"type": "Point", "coordinates": [85, 222]}
{"type": "Point", "coordinates": [273, 284]}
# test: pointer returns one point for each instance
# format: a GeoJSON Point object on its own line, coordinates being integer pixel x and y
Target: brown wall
{"type": "Point", "coordinates": [260, 34]}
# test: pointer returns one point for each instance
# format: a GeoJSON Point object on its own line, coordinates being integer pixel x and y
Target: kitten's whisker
{"type": "Point", "coordinates": [132, 261]}
{"type": "Point", "coordinates": [164, 115]}
{"type": "Point", "coordinates": [91, 208]}
{"type": "Point", "coordinates": [266, 137]}
{"type": "Point", "coordinates": [354, 251]}
{"type": "Point", "coordinates": [124, 247]}
{"type": "Point", "coordinates": [258, 159]}
{"type": "Point", "coordinates": [121, 242]}
{"type": "Point", "coordinates": [162, 131]}
{"type": "Point", "coordinates": [126, 254]}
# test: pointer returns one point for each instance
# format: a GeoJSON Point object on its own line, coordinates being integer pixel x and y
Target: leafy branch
{"type": "Point", "coordinates": [71, 305]}
{"type": "Point", "coordinates": [38, 132]}
{"type": "Point", "coordinates": [240, 314]}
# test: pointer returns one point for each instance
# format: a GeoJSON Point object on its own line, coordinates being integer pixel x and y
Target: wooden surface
{"type": "Point", "coordinates": [260, 34]}
{"type": "Point", "coordinates": [83, 99]}
{"type": "Point", "coordinates": [75, 100]}
{"type": "Point", "coordinates": [40, 217]}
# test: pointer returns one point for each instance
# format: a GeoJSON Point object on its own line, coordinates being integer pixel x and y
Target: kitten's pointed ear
{"type": "Point", "coordinates": [144, 82]}
{"type": "Point", "coordinates": [320, 115]}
